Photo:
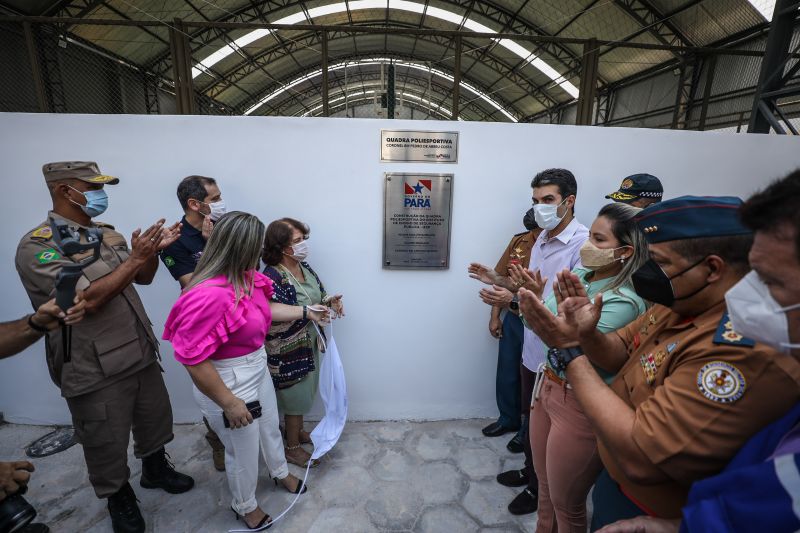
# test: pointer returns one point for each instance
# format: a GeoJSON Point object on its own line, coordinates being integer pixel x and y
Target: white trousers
{"type": "Point", "coordinates": [248, 378]}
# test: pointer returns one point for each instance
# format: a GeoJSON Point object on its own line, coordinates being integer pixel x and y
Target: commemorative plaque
{"type": "Point", "coordinates": [416, 223]}
{"type": "Point", "coordinates": [405, 146]}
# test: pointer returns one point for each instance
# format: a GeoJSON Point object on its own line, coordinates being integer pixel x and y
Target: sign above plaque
{"type": "Point", "coordinates": [416, 224]}
{"type": "Point", "coordinates": [403, 146]}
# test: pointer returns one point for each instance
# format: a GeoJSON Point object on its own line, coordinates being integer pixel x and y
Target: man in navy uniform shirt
{"type": "Point", "coordinates": [202, 205]}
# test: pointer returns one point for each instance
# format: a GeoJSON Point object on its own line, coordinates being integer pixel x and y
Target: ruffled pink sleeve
{"type": "Point", "coordinates": [201, 321]}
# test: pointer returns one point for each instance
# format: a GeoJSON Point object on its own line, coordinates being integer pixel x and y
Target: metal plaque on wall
{"type": "Point", "coordinates": [419, 146]}
{"type": "Point", "coordinates": [416, 220]}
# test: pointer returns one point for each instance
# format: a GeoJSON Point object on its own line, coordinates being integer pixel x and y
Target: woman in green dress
{"type": "Point", "coordinates": [294, 348]}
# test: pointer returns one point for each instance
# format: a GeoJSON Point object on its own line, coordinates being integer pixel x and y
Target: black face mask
{"type": "Point", "coordinates": [529, 221]}
{"type": "Point", "coordinates": [652, 283]}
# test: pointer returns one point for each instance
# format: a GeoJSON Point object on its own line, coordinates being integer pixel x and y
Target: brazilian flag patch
{"type": "Point", "coordinates": [169, 261]}
{"type": "Point", "coordinates": [47, 256]}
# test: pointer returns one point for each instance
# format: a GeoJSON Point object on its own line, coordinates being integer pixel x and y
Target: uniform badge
{"type": "Point", "coordinates": [517, 256]}
{"type": "Point", "coordinates": [169, 261]}
{"type": "Point", "coordinates": [47, 256]}
{"type": "Point", "coordinates": [649, 367]}
{"type": "Point", "coordinates": [721, 382]}
{"type": "Point", "coordinates": [43, 233]}
{"type": "Point", "coordinates": [726, 335]}
{"type": "Point", "coordinates": [626, 184]}
{"type": "Point", "coordinates": [671, 347]}
{"type": "Point", "coordinates": [659, 357]}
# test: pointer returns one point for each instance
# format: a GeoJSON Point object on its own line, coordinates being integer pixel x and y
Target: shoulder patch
{"type": "Point", "coordinates": [721, 382]}
{"type": "Point", "coordinates": [43, 232]}
{"type": "Point", "coordinates": [169, 261]}
{"type": "Point", "coordinates": [47, 256]}
{"type": "Point", "coordinates": [726, 335]}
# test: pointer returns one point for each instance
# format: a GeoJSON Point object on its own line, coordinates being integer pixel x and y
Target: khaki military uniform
{"type": "Point", "coordinates": [700, 391]}
{"type": "Point", "coordinates": [518, 251]}
{"type": "Point", "coordinates": [113, 381]}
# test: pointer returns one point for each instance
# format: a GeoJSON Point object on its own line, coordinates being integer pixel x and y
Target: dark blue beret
{"type": "Point", "coordinates": [692, 217]}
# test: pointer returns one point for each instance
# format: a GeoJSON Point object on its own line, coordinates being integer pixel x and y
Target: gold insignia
{"type": "Point", "coordinates": [42, 233]}
{"type": "Point", "coordinates": [626, 184]}
{"type": "Point", "coordinates": [732, 336]}
{"type": "Point", "coordinates": [659, 357]}
{"type": "Point", "coordinates": [728, 325]}
{"type": "Point", "coordinates": [101, 179]}
{"type": "Point", "coordinates": [518, 255]}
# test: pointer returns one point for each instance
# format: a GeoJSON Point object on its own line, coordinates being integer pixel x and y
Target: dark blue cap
{"type": "Point", "coordinates": [638, 186]}
{"type": "Point", "coordinates": [692, 217]}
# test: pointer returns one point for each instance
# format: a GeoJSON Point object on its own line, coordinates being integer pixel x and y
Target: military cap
{"type": "Point", "coordinates": [692, 217]}
{"type": "Point", "coordinates": [638, 186]}
{"type": "Point", "coordinates": [87, 171]}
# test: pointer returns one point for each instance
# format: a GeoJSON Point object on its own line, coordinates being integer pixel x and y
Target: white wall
{"type": "Point", "coordinates": [414, 344]}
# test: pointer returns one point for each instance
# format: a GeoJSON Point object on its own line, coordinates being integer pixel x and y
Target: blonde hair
{"type": "Point", "coordinates": [233, 249]}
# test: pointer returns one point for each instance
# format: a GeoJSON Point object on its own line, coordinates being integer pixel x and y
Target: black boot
{"type": "Point", "coordinates": [125, 514]}
{"type": "Point", "coordinates": [159, 473]}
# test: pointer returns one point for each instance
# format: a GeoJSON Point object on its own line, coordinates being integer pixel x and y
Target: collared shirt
{"type": "Point", "coordinates": [518, 251]}
{"type": "Point", "coordinates": [699, 391]}
{"type": "Point", "coordinates": [181, 256]}
{"type": "Point", "coordinates": [550, 256]}
{"type": "Point", "coordinates": [107, 346]}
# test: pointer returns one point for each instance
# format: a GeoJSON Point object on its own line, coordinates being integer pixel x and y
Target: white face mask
{"type": "Point", "coordinates": [300, 250]}
{"type": "Point", "coordinates": [217, 210]}
{"type": "Point", "coordinates": [546, 215]}
{"type": "Point", "coordinates": [755, 314]}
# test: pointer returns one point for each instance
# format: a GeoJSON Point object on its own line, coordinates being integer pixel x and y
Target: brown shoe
{"type": "Point", "coordinates": [217, 451]}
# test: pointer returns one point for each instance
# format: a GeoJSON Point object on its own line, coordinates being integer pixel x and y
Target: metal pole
{"type": "Point", "coordinates": [588, 83]}
{"type": "Point", "coordinates": [457, 79]}
{"type": "Point", "coordinates": [325, 108]}
{"type": "Point", "coordinates": [36, 71]}
{"type": "Point", "coordinates": [712, 66]}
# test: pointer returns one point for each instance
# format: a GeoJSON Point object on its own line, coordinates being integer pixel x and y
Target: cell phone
{"type": "Point", "coordinates": [255, 410]}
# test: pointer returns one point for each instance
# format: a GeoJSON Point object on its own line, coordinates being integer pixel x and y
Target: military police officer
{"type": "Point", "coordinates": [689, 390]}
{"type": "Point", "coordinates": [111, 378]}
{"type": "Point", "coordinates": [638, 190]}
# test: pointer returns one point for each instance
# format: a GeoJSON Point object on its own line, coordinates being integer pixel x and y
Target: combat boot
{"type": "Point", "coordinates": [124, 511]}
{"type": "Point", "coordinates": [159, 473]}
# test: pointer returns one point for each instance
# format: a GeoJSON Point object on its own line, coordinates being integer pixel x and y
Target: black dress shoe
{"type": "Point", "coordinates": [495, 429]}
{"type": "Point", "coordinates": [515, 445]}
{"type": "Point", "coordinates": [526, 502]}
{"type": "Point", "coordinates": [124, 511]}
{"type": "Point", "coordinates": [513, 478]}
{"type": "Point", "coordinates": [159, 473]}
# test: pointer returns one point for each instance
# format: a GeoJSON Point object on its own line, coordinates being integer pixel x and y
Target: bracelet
{"type": "Point", "coordinates": [35, 327]}
{"type": "Point", "coordinates": [305, 312]}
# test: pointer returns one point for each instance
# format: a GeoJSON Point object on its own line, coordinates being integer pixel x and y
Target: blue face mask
{"type": "Point", "coordinates": [96, 202]}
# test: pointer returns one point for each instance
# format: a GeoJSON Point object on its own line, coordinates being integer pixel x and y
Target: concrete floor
{"type": "Point", "coordinates": [381, 476]}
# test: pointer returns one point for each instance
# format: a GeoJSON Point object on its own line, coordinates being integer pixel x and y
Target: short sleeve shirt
{"type": "Point", "coordinates": [181, 256]}
{"type": "Point", "coordinates": [699, 391]}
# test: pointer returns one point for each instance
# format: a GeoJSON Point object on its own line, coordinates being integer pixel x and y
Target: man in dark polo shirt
{"type": "Point", "coordinates": [202, 205]}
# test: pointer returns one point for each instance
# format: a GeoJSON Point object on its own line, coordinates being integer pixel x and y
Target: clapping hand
{"type": "Point", "coordinates": [554, 330]}
{"type": "Point", "coordinates": [496, 295]}
{"type": "Point", "coordinates": [575, 304]}
{"type": "Point", "coordinates": [208, 226]}
{"type": "Point", "coordinates": [482, 273]}
{"type": "Point", "coordinates": [154, 239]}
{"type": "Point", "coordinates": [533, 281]}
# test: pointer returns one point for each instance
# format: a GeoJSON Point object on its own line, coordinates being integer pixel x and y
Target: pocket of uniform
{"type": "Point", "coordinates": [92, 425]}
{"type": "Point", "coordinates": [118, 353]}
{"type": "Point", "coordinates": [97, 270]}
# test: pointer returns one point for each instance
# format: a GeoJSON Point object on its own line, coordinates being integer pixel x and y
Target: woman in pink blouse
{"type": "Point", "coordinates": [217, 329]}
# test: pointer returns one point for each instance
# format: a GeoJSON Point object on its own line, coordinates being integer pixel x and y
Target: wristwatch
{"type": "Point", "coordinates": [560, 358]}
{"type": "Point", "coordinates": [514, 303]}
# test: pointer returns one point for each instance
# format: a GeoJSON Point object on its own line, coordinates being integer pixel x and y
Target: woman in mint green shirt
{"type": "Point", "coordinates": [563, 441]}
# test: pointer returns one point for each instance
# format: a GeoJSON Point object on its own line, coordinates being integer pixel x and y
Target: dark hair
{"type": "Point", "coordinates": [193, 187]}
{"type": "Point", "coordinates": [733, 249]}
{"type": "Point", "coordinates": [279, 236]}
{"type": "Point", "coordinates": [561, 177]}
{"type": "Point", "coordinates": [775, 206]}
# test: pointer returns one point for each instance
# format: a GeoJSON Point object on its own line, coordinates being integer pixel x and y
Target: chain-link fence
{"type": "Point", "coordinates": [92, 68]}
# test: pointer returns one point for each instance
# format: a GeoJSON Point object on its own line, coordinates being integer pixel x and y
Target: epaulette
{"type": "Point", "coordinates": [103, 225]}
{"type": "Point", "coordinates": [726, 335]}
{"type": "Point", "coordinates": [521, 234]}
{"type": "Point", "coordinates": [42, 233]}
